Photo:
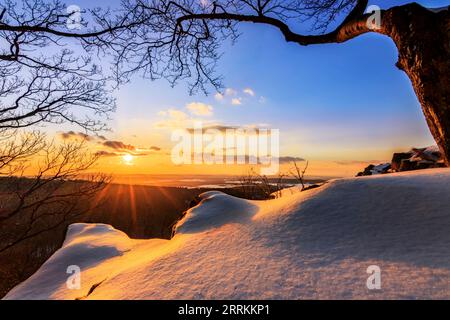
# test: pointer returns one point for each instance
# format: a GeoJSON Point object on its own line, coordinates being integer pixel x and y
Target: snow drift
{"type": "Point", "coordinates": [316, 244]}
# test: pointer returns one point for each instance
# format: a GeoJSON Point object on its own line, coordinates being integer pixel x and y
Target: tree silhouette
{"type": "Point", "coordinates": [41, 82]}
{"type": "Point", "coordinates": [180, 39]}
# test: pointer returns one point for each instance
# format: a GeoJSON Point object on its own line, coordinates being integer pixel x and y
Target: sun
{"type": "Point", "coordinates": [127, 158]}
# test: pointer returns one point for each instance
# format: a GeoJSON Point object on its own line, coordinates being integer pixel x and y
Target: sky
{"type": "Point", "coordinates": [340, 106]}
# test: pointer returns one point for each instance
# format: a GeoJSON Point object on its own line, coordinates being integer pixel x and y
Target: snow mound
{"type": "Point", "coordinates": [315, 244]}
{"type": "Point", "coordinates": [210, 214]}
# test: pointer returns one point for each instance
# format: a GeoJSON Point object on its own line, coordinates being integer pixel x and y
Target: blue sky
{"type": "Point", "coordinates": [331, 102]}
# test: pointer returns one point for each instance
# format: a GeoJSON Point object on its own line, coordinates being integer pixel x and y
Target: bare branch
{"type": "Point", "coordinates": [56, 194]}
{"type": "Point", "coordinates": [181, 39]}
{"type": "Point", "coordinates": [299, 174]}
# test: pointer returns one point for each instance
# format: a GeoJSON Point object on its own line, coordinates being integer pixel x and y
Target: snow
{"type": "Point", "coordinates": [431, 153]}
{"type": "Point", "coordinates": [437, 10]}
{"type": "Point", "coordinates": [315, 244]}
{"type": "Point", "coordinates": [381, 168]}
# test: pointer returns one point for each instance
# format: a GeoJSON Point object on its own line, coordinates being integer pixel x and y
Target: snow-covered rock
{"type": "Point", "coordinates": [431, 153]}
{"type": "Point", "coordinates": [371, 169]}
{"type": "Point", "coordinates": [417, 158]}
{"type": "Point", "coordinates": [305, 245]}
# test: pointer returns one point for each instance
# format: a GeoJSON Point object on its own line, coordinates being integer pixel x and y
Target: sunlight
{"type": "Point", "coordinates": [128, 159]}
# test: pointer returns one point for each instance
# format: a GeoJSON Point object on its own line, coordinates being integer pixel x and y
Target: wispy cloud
{"type": "Point", "coordinates": [236, 101]}
{"type": "Point", "coordinates": [249, 129]}
{"type": "Point", "coordinates": [104, 153]}
{"type": "Point", "coordinates": [113, 147]}
{"type": "Point", "coordinates": [218, 96]}
{"type": "Point", "coordinates": [289, 159]}
{"type": "Point", "coordinates": [174, 114]}
{"type": "Point", "coordinates": [118, 145]}
{"type": "Point", "coordinates": [249, 91]}
{"type": "Point", "coordinates": [176, 118]}
{"type": "Point", "coordinates": [80, 135]}
{"type": "Point", "coordinates": [200, 109]}
{"type": "Point", "coordinates": [172, 118]}
{"type": "Point", "coordinates": [230, 92]}
{"type": "Point", "coordinates": [119, 148]}
{"type": "Point", "coordinates": [358, 162]}
{"type": "Point", "coordinates": [124, 147]}
{"type": "Point", "coordinates": [237, 97]}
{"type": "Point", "coordinates": [219, 127]}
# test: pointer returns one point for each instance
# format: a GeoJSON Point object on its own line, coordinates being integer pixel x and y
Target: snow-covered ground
{"type": "Point", "coordinates": [304, 245]}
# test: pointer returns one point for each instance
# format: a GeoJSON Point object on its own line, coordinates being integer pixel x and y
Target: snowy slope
{"type": "Point", "coordinates": [312, 244]}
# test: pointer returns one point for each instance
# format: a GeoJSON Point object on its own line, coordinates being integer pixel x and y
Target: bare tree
{"type": "Point", "coordinates": [299, 174]}
{"type": "Point", "coordinates": [53, 96]}
{"type": "Point", "coordinates": [16, 150]}
{"type": "Point", "coordinates": [46, 78]}
{"type": "Point", "coordinates": [280, 184]}
{"type": "Point", "coordinates": [29, 25]}
{"type": "Point", "coordinates": [42, 80]}
{"type": "Point", "coordinates": [247, 184]}
{"type": "Point", "coordinates": [264, 186]}
{"type": "Point", "coordinates": [256, 186]}
{"type": "Point", "coordinates": [57, 194]}
{"type": "Point", "coordinates": [181, 39]}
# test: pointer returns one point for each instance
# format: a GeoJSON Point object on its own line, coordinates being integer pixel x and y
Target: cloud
{"type": "Point", "coordinates": [231, 96]}
{"type": "Point", "coordinates": [236, 101]}
{"type": "Point", "coordinates": [123, 147]}
{"type": "Point", "coordinates": [173, 119]}
{"type": "Point", "coordinates": [115, 148]}
{"type": "Point", "coordinates": [358, 162]}
{"type": "Point", "coordinates": [104, 153]}
{"type": "Point", "coordinates": [80, 135]}
{"type": "Point", "coordinates": [250, 129]}
{"type": "Point", "coordinates": [118, 145]}
{"type": "Point", "coordinates": [76, 135]}
{"type": "Point", "coordinates": [230, 92]}
{"type": "Point", "coordinates": [219, 127]}
{"type": "Point", "coordinates": [177, 114]}
{"type": "Point", "coordinates": [249, 91]}
{"type": "Point", "coordinates": [120, 148]}
{"type": "Point", "coordinates": [177, 119]}
{"type": "Point", "coordinates": [289, 159]}
{"type": "Point", "coordinates": [218, 96]}
{"type": "Point", "coordinates": [200, 109]}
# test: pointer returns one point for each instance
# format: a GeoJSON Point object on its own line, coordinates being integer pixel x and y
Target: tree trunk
{"type": "Point", "coordinates": [423, 42]}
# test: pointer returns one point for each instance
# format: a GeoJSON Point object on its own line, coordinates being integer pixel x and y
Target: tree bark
{"type": "Point", "coordinates": [422, 38]}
